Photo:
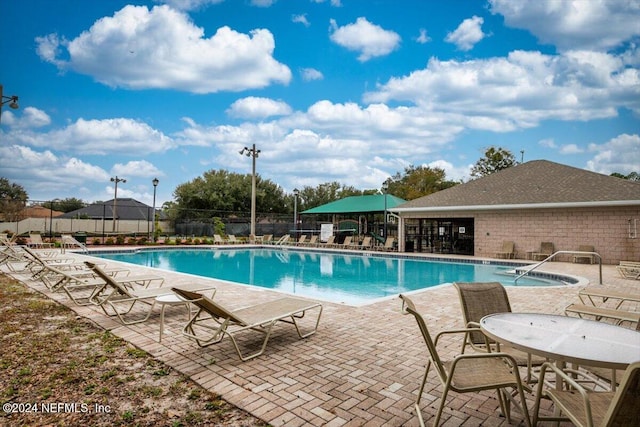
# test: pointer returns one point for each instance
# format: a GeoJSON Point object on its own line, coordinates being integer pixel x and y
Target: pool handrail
{"type": "Point", "coordinates": [529, 270]}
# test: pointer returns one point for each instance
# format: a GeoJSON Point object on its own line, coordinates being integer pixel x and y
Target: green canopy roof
{"type": "Point", "coordinates": [357, 204]}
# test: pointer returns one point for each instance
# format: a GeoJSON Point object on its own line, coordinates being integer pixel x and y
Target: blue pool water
{"type": "Point", "coordinates": [329, 276]}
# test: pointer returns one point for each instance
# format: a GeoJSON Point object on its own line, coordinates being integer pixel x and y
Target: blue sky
{"type": "Point", "coordinates": [336, 90]}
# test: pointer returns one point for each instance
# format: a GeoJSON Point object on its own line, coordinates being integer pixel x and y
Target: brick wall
{"type": "Point", "coordinates": [607, 229]}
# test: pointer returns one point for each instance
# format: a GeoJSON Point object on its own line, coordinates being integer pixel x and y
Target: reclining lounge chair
{"type": "Point", "coordinates": [213, 321]}
{"type": "Point", "coordinates": [113, 294]}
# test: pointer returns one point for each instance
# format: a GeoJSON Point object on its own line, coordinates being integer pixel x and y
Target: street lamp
{"type": "Point", "coordinates": [12, 100]}
{"type": "Point", "coordinates": [155, 182]}
{"type": "Point", "coordinates": [295, 211]}
{"type": "Point", "coordinates": [115, 198]}
{"type": "Point", "coordinates": [253, 153]}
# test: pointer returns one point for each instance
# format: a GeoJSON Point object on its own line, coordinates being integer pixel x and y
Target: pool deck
{"type": "Point", "coordinates": [362, 367]}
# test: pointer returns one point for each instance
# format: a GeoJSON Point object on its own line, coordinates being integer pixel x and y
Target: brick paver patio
{"type": "Point", "coordinates": [363, 367]}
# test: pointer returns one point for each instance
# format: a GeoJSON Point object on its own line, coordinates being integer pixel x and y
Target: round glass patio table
{"type": "Point", "coordinates": [565, 339]}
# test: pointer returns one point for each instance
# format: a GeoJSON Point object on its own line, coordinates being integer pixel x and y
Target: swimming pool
{"type": "Point", "coordinates": [330, 276]}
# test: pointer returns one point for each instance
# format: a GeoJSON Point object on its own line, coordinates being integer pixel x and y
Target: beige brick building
{"type": "Point", "coordinates": [529, 203]}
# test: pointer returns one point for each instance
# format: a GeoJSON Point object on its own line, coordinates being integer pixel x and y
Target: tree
{"type": "Point", "coordinates": [633, 176]}
{"type": "Point", "coordinates": [494, 160]}
{"type": "Point", "coordinates": [417, 182]}
{"type": "Point", "coordinates": [223, 191]}
{"type": "Point", "coordinates": [327, 192]}
{"type": "Point", "coordinates": [65, 205]}
{"type": "Point", "coordinates": [13, 199]}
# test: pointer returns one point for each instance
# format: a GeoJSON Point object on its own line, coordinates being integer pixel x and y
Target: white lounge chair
{"type": "Point", "coordinates": [213, 321]}
{"type": "Point", "coordinates": [113, 294]}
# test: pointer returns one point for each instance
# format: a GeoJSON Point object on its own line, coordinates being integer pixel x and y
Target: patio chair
{"type": "Point", "coordinates": [70, 242]}
{"type": "Point", "coordinates": [617, 315]}
{"type": "Point", "coordinates": [347, 241]}
{"type": "Point", "coordinates": [231, 238]}
{"type": "Point", "coordinates": [629, 269]}
{"type": "Point", "coordinates": [283, 240]}
{"type": "Point", "coordinates": [218, 240]}
{"type": "Point", "coordinates": [267, 239]}
{"type": "Point", "coordinates": [35, 241]}
{"type": "Point", "coordinates": [508, 250]}
{"type": "Point", "coordinates": [366, 243]}
{"type": "Point", "coordinates": [73, 281]}
{"type": "Point", "coordinates": [546, 249]}
{"type": "Point", "coordinates": [37, 264]}
{"type": "Point", "coordinates": [388, 245]}
{"type": "Point", "coordinates": [330, 241]}
{"type": "Point", "coordinates": [588, 294]}
{"type": "Point", "coordinates": [468, 372]}
{"type": "Point", "coordinates": [584, 258]}
{"type": "Point", "coordinates": [589, 408]}
{"type": "Point", "coordinates": [301, 240]}
{"type": "Point", "coordinates": [213, 321]}
{"type": "Point", "coordinates": [112, 295]}
{"type": "Point", "coordinates": [481, 299]}
{"type": "Point", "coordinates": [313, 240]}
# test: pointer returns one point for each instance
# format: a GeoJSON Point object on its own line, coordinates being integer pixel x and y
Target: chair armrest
{"type": "Point", "coordinates": [510, 358]}
{"type": "Point", "coordinates": [560, 374]}
{"type": "Point", "coordinates": [465, 331]}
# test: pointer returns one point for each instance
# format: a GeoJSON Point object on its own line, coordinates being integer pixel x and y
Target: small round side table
{"type": "Point", "coordinates": [170, 300]}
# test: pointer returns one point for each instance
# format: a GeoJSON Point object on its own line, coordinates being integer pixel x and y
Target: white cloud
{"type": "Point", "coordinates": [468, 33]}
{"type": "Point", "coordinates": [620, 154]}
{"type": "Point", "coordinates": [309, 74]}
{"type": "Point", "coordinates": [574, 24]}
{"type": "Point", "coordinates": [46, 171]}
{"type": "Point", "coordinates": [138, 48]}
{"type": "Point", "coordinates": [189, 4]}
{"type": "Point", "coordinates": [423, 37]}
{"type": "Point", "coordinates": [548, 142]}
{"type": "Point", "coordinates": [136, 168]}
{"type": "Point", "coordinates": [25, 118]}
{"type": "Point", "coordinates": [364, 37]}
{"type": "Point", "coordinates": [571, 149]}
{"type": "Point", "coordinates": [262, 3]}
{"type": "Point", "coordinates": [452, 173]}
{"type": "Point", "coordinates": [334, 3]}
{"type": "Point", "coordinates": [519, 91]}
{"type": "Point", "coordinates": [301, 19]}
{"type": "Point", "coordinates": [31, 118]}
{"type": "Point", "coordinates": [117, 136]}
{"type": "Point", "coordinates": [258, 108]}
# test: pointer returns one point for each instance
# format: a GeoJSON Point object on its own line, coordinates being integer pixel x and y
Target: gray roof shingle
{"type": "Point", "coordinates": [533, 183]}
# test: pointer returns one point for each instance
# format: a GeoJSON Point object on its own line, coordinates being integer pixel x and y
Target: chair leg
{"type": "Point", "coordinates": [424, 382]}
{"type": "Point", "coordinates": [443, 398]}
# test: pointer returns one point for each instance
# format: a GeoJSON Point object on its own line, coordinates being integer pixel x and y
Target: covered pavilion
{"type": "Point", "coordinates": [358, 215]}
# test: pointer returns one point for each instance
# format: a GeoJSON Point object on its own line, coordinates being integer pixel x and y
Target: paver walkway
{"type": "Point", "coordinates": [363, 367]}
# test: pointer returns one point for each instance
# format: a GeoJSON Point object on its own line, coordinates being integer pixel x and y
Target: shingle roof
{"type": "Point", "coordinates": [126, 209]}
{"type": "Point", "coordinates": [357, 204]}
{"type": "Point", "coordinates": [538, 182]}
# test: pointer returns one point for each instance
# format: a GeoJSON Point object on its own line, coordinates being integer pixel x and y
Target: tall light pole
{"type": "Point", "coordinates": [384, 191]}
{"type": "Point", "coordinates": [253, 153]}
{"type": "Point", "coordinates": [12, 100]}
{"type": "Point", "coordinates": [295, 211]}
{"type": "Point", "coordinates": [115, 198]}
{"type": "Point", "coordinates": [155, 182]}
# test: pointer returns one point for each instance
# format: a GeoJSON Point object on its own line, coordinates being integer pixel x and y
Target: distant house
{"type": "Point", "coordinates": [126, 209]}
{"type": "Point", "coordinates": [533, 202]}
